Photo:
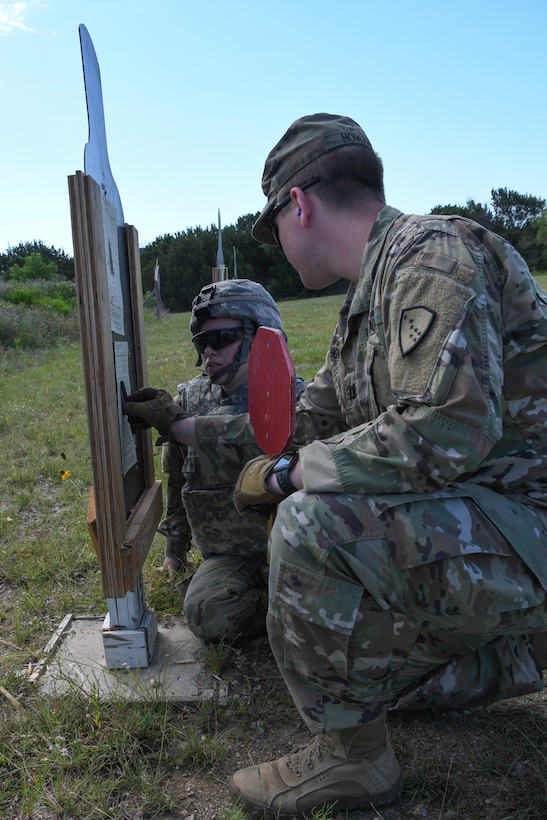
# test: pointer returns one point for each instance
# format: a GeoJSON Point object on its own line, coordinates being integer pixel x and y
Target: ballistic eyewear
{"type": "Point", "coordinates": [216, 339]}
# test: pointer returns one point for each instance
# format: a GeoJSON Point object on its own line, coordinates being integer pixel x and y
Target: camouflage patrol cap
{"type": "Point", "coordinates": [307, 139]}
{"type": "Point", "coordinates": [237, 299]}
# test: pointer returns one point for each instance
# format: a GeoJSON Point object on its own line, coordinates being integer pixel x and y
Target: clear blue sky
{"type": "Point", "coordinates": [196, 92]}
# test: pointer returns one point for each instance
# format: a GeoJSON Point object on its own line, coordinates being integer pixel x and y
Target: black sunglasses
{"type": "Point", "coordinates": [217, 339]}
{"type": "Point", "coordinates": [285, 201]}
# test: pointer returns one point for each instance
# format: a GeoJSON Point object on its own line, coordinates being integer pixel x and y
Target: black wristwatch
{"type": "Point", "coordinates": [281, 469]}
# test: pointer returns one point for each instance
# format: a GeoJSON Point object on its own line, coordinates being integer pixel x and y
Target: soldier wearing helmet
{"type": "Point", "coordinates": [245, 304]}
{"type": "Point", "coordinates": [226, 597]}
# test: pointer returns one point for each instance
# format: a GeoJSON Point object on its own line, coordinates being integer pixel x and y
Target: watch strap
{"type": "Point", "coordinates": [285, 484]}
{"type": "Point", "coordinates": [282, 474]}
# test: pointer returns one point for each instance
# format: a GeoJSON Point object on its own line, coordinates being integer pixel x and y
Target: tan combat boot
{"type": "Point", "coordinates": [351, 768]}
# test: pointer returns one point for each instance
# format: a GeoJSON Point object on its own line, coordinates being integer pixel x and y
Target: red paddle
{"type": "Point", "coordinates": [272, 390]}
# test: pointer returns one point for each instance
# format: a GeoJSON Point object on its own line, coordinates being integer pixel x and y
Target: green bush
{"type": "Point", "coordinates": [56, 305]}
{"type": "Point", "coordinates": [27, 328]}
{"type": "Point", "coordinates": [37, 314]}
{"type": "Point", "coordinates": [30, 298]}
{"type": "Point", "coordinates": [22, 296]}
{"type": "Point", "coordinates": [57, 298]}
{"type": "Point", "coordinates": [35, 267]}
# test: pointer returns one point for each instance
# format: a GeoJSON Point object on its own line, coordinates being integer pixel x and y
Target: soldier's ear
{"type": "Point", "coordinates": [304, 205]}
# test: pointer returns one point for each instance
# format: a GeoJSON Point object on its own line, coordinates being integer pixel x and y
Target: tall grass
{"type": "Point", "coordinates": [37, 314]}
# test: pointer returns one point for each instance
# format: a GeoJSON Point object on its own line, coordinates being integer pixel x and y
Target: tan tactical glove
{"type": "Point", "coordinates": [251, 496]}
{"type": "Point", "coordinates": [150, 407]}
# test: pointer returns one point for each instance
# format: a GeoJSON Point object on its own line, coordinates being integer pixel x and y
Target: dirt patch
{"type": "Point", "coordinates": [482, 764]}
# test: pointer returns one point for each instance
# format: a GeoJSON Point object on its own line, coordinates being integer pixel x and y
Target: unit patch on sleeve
{"type": "Point", "coordinates": [414, 325]}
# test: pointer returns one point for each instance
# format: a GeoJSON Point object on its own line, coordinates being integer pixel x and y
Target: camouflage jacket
{"type": "Point", "coordinates": [200, 489]}
{"type": "Point", "coordinates": [436, 376]}
{"type": "Point", "coordinates": [437, 370]}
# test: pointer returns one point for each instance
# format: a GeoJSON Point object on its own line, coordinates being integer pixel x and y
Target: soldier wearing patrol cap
{"type": "Point", "coordinates": [408, 568]}
{"type": "Point", "coordinates": [226, 597]}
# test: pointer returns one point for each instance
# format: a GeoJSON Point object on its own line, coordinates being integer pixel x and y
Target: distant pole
{"type": "Point", "coordinates": [235, 262]}
{"type": "Point", "coordinates": [220, 255]}
{"type": "Point", "coordinates": [220, 272]}
{"type": "Point", "coordinates": [157, 288]}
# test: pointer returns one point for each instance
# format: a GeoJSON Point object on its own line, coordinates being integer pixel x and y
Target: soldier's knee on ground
{"type": "Point", "coordinates": [224, 602]}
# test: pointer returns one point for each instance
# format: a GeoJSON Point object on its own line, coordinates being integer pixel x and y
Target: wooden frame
{"type": "Point", "coordinates": [122, 524]}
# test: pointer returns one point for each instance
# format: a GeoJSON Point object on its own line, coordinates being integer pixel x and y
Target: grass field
{"type": "Point", "coordinates": [78, 757]}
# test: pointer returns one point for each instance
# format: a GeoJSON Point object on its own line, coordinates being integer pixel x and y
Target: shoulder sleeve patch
{"type": "Point", "coordinates": [426, 308]}
{"type": "Point", "coordinates": [413, 327]}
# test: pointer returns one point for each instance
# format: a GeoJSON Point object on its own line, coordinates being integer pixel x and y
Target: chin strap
{"type": "Point", "coordinates": [242, 355]}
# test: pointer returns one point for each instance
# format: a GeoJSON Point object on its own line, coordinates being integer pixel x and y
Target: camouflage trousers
{"type": "Point", "coordinates": [227, 598]}
{"type": "Point", "coordinates": [416, 600]}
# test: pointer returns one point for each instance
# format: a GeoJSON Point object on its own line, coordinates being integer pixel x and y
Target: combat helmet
{"type": "Point", "coordinates": [237, 299]}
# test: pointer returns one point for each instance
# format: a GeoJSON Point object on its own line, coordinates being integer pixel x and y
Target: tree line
{"type": "Point", "coordinates": [35, 260]}
{"type": "Point", "coordinates": [187, 257]}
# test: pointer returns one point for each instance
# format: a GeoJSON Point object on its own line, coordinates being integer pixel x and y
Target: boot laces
{"type": "Point", "coordinates": [306, 755]}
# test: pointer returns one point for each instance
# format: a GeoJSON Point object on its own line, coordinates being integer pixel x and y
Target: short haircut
{"type": "Point", "coordinates": [348, 176]}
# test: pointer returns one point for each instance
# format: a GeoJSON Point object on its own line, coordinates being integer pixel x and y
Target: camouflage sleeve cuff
{"type": "Point", "coordinates": [352, 462]}
{"type": "Point", "coordinates": [318, 470]}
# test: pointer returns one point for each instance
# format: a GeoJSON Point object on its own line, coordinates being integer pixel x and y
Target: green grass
{"type": "Point", "coordinates": [79, 757]}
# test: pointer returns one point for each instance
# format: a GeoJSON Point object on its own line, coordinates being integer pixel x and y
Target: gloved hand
{"type": "Point", "coordinates": [252, 498]}
{"type": "Point", "coordinates": [150, 407]}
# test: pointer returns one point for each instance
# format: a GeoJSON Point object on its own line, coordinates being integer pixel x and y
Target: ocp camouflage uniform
{"type": "Point", "coordinates": [227, 596]}
{"type": "Point", "coordinates": [412, 568]}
